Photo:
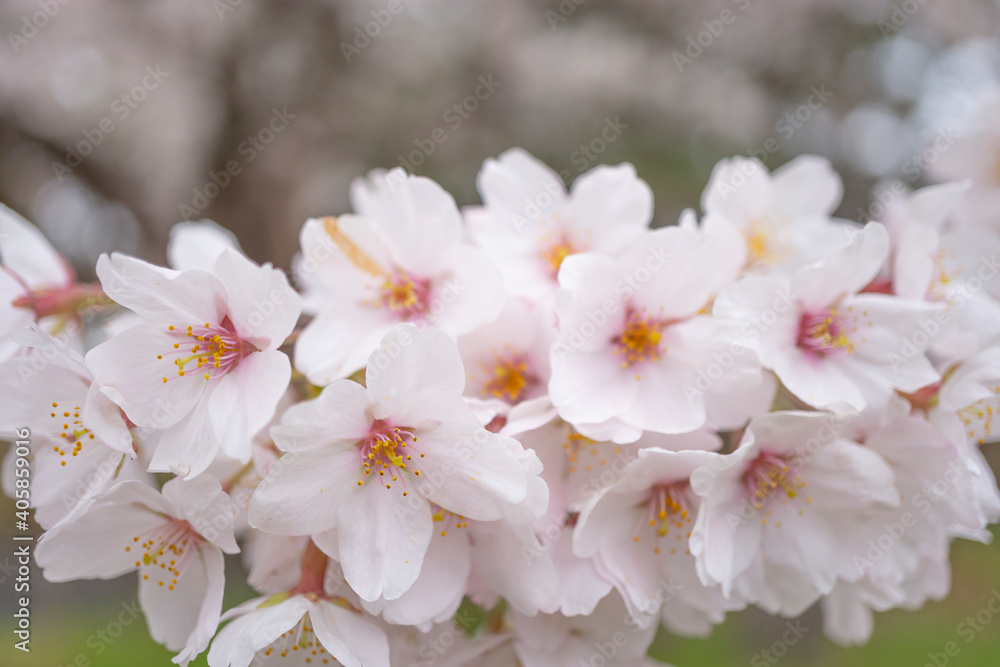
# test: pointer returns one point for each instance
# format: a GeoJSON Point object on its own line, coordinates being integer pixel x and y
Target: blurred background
{"type": "Point", "coordinates": [120, 118]}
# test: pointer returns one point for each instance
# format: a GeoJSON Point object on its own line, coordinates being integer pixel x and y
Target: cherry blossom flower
{"type": "Point", "coordinates": [400, 259]}
{"type": "Point", "coordinates": [529, 224]}
{"type": "Point", "coordinates": [174, 540]}
{"type": "Point", "coordinates": [826, 342]}
{"type": "Point", "coordinates": [508, 359]}
{"type": "Point", "coordinates": [368, 461]}
{"type": "Point", "coordinates": [634, 341]}
{"type": "Point", "coordinates": [782, 220]}
{"type": "Point", "coordinates": [576, 468]}
{"type": "Point", "coordinates": [204, 369]}
{"type": "Point", "coordinates": [638, 530]}
{"type": "Point", "coordinates": [778, 516]}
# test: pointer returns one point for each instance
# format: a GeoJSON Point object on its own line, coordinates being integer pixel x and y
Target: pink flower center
{"type": "Point", "coordinates": [771, 476]}
{"type": "Point", "coordinates": [165, 551]}
{"type": "Point", "coordinates": [641, 339]}
{"type": "Point", "coordinates": [388, 451]}
{"type": "Point", "coordinates": [556, 249]}
{"type": "Point", "coordinates": [209, 350]}
{"type": "Point", "coordinates": [509, 377]}
{"type": "Point", "coordinates": [405, 295]}
{"type": "Point", "coordinates": [669, 510]}
{"type": "Point", "coordinates": [826, 333]}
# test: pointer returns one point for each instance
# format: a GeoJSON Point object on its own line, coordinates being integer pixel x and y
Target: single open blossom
{"type": "Point", "coordinates": [782, 219]}
{"type": "Point", "coordinates": [577, 468]}
{"type": "Point", "coordinates": [638, 530]}
{"type": "Point", "coordinates": [826, 342]}
{"type": "Point", "coordinates": [529, 224]}
{"type": "Point", "coordinates": [35, 280]}
{"type": "Point", "coordinates": [369, 461]}
{"type": "Point", "coordinates": [507, 367]}
{"type": "Point", "coordinates": [81, 436]}
{"type": "Point", "coordinates": [203, 369]}
{"type": "Point", "coordinates": [779, 515]}
{"type": "Point", "coordinates": [401, 258]}
{"type": "Point", "coordinates": [174, 539]}
{"type": "Point", "coordinates": [635, 349]}
{"type": "Point", "coordinates": [507, 360]}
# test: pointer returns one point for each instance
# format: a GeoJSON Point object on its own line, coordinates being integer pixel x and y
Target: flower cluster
{"type": "Point", "coordinates": [521, 432]}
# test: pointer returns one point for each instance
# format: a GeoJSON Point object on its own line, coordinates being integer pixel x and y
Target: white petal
{"type": "Point", "coordinates": [202, 503]}
{"type": "Point", "coordinates": [194, 603]}
{"type": "Point", "coordinates": [610, 206]}
{"type": "Point", "coordinates": [416, 215]}
{"type": "Point", "coordinates": [469, 471]}
{"type": "Point", "coordinates": [739, 189]}
{"type": "Point", "coordinates": [338, 341]}
{"type": "Point", "coordinates": [845, 271]}
{"type": "Point", "coordinates": [340, 416]}
{"type": "Point", "coordinates": [807, 185]}
{"type": "Point", "coordinates": [129, 373]}
{"type": "Point", "coordinates": [196, 245]}
{"type": "Point", "coordinates": [816, 381]}
{"type": "Point", "coordinates": [511, 560]}
{"type": "Point", "coordinates": [244, 400]}
{"type": "Point", "coordinates": [350, 638]}
{"type": "Point", "coordinates": [256, 628]}
{"type": "Point", "coordinates": [104, 418]}
{"type": "Point", "coordinates": [211, 604]}
{"type": "Point", "coordinates": [261, 304]}
{"type": "Point", "coordinates": [437, 593]}
{"type": "Point", "coordinates": [25, 251]}
{"type": "Point", "coordinates": [161, 296]}
{"type": "Point", "coordinates": [415, 376]}
{"type": "Point", "coordinates": [470, 295]}
{"type": "Point", "coordinates": [188, 447]}
{"type": "Point", "coordinates": [299, 494]}
{"type": "Point", "coordinates": [513, 181]}
{"type": "Point", "coordinates": [93, 545]}
{"type": "Point", "coordinates": [383, 537]}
